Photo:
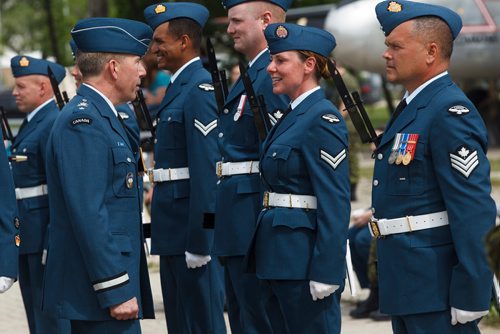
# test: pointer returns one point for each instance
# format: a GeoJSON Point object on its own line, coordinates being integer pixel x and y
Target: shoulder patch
{"type": "Point", "coordinates": [464, 160]}
{"type": "Point", "coordinates": [82, 104]}
{"type": "Point", "coordinates": [331, 118]}
{"type": "Point", "coordinates": [81, 120]}
{"type": "Point", "coordinates": [459, 110]}
{"type": "Point", "coordinates": [333, 161]}
{"type": "Point", "coordinates": [206, 87]}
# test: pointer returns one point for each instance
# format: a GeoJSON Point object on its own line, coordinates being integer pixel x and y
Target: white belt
{"type": "Point", "coordinates": [382, 227]}
{"type": "Point", "coordinates": [22, 193]}
{"type": "Point", "coordinates": [170, 174]}
{"type": "Point", "coordinates": [234, 168]}
{"type": "Point", "coordinates": [289, 201]}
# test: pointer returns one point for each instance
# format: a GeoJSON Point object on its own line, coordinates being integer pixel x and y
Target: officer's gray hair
{"type": "Point", "coordinates": [433, 29]}
{"type": "Point", "coordinates": [92, 63]}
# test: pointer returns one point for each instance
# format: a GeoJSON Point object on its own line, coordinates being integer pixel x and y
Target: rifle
{"type": "Point", "coordinates": [145, 113]}
{"type": "Point", "coordinates": [354, 107]}
{"type": "Point", "coordinates": [260, 115]}
{"type": "Point", "coordinates": [220, 85]}
{"type": "Point", "coordinates": [55, 88]}
{"type": "Point", "coordinates": [6, 130]}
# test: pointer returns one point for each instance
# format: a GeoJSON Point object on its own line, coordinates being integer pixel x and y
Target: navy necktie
{"type": "Point", "coordinates": [396, 113]}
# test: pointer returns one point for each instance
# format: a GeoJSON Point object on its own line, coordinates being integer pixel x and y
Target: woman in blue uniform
{"type": "Point", "coordinates": [299, 246]}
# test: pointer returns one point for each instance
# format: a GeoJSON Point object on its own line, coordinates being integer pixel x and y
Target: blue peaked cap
{"type": "Point", "coordinates": [113, 35]}
{"type": "Point", "coordinates": [285, 4]}
{"type": "Point", "coordinates": [166, 11]}
{"type": "Point", "coordinates": [74, 48]}
{"type": "Point", "coordinates": [288, 36]}
{"type": "Point", "coordinates": [24, 65]}
{"type": "Point", "coordinates": [390, 14]}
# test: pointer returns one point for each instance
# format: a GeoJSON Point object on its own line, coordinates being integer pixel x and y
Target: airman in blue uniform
{"type": "Point", "coordinates": [239, 189]}
{"type": "Point", "coordinates": [96, 274]}
{"type": "Point", "coordinates": [35, 97]}
{"type": "Point", "coordinates": [431, 185]}
{"type": "Point", "coordinates": [9, 225]}
{"type": "Point", "coordinates": [184, 174]}
{"type": "Point", "coordinates": [299, 246]}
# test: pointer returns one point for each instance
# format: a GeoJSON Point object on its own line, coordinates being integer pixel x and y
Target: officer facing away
{"type": "Point", "coordinates": [34, 97]}
{"type": "Point", "coordinates": [184, 173]}
{"type": "Point", "coordinates": [431, 185]}
{"type": "Point", "coordinates": [96, 273]}
{"type": "Point", "coordinates": [9, 225]}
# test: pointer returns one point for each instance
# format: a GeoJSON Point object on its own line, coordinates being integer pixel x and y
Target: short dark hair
{"type": "Point", "coordinates": [434, 29]}
{"type": "Point", "coordinates": [185, 26]}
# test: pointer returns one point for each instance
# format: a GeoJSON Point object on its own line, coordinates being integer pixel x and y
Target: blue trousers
{"type": "Point", "coordinates": [359, 241]}
{"type": "Point", "coordinates": [249, 308]}
{"type": "Point", "coordinates": [301, 313]}
{"type": "Point", "coordinates": [193, 298]}
{"type": "Point", "coordinates": [30, 282]}
{"type": "Point", "coordinates": [434, 322]}
{"type": "Point", "coordinates": [105, 327]}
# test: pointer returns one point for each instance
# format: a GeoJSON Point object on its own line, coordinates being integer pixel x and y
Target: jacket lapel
{"type": "Point", "coordinates": [292, 117]}
{"type": "Point", "coordinates": [178, 85]}
{"type": "Point", "coordinates": [254, 71]}
{"type": "Point", "coordinates": [30, 126]}
{"type": "Point", "coordinates": [106, 112]}
{"type": "Point", "coordinates": [410, 112]}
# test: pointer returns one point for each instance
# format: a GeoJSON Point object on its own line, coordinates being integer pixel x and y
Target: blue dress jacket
{"type": "Point", "coordinates": [96, 255]}
{"type": "Point", "coordinates": [433, 269]}
{"type": "Point", "coordinates": [186, 137]}
{"type": "Point", "coordinates": [34, 211]}
{"type": "Point", "coordinates": [305, 154]}
{"type": "Point", "coordinates": [9, 222]}
{"type": "Point", "coordinates": [239, 196]}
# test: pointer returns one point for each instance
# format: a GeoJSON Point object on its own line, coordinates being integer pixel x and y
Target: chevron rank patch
{"type": "Point", "coordinates": [330, 118]}
{"type": "Point", "coordinates": [206, 87]}
{"type": "Point", "coordinates": [205, 129]}
{"type": "Point", "coordinates": [459, 110]}
{"type": "Point", "coordinates": [333, 161]}
{"type": "Point", "coordinates": [464, 160]}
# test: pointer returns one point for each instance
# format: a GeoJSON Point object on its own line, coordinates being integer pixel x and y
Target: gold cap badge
{"type": "Point", "coordinates": [281, 32]}
{"type": "Point", "coordinates": [160, 9]}
{"type": "Point", "coordinates": [24, 62]}
{"type": "Point", "coordinates": [18, 240]}
{"type": "Point", "coordinates": [394, 7]}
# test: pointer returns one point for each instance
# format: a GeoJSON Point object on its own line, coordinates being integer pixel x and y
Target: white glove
{"type": "Point", "coordinates": [195, 260]}
{"type": "Point", "coordinates": [320, 290]}
{"type": "Point", "coordinates": [465, 316]}
{"type": "Point", "coordinates": [6, 283]}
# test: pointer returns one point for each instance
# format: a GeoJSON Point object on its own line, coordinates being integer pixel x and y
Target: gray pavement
{"type": "Point", "coordinates": [13, 319]}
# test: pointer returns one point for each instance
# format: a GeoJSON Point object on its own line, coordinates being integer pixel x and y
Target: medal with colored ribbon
{"type": "Point", "coordinates": [402, 148]}
{"type": "Point", "coordinates": [410, 148]}
{"type": "Point", "coordinates": [241, 106]}
{"type": "Point", "coordinates": [395, 148]}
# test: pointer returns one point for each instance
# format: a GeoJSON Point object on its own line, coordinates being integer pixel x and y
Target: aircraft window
{"type": "Point", "coordinates": [494, 9]}
{"type": "Point", "coordinates": [468, 10]}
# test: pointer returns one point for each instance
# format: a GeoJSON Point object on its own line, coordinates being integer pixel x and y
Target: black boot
{"type": "Point", "coordinates": [370, 304]}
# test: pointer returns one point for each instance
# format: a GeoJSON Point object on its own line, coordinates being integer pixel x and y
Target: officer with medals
{"type": "Point", "coordinates": [184, 174]}
{"type": "Point", "coordinates": [9, 225]}
{"type": "Point", "coordinates": [299, 246]}
{"type": "Point", "coordinates": [431, 185]}
{"type": "Point", "coordinates": [34, 97]}
{"type": "Point", "coordinates": [96, 274]}
{"type": "Point", "coordinates": [239, 189]}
